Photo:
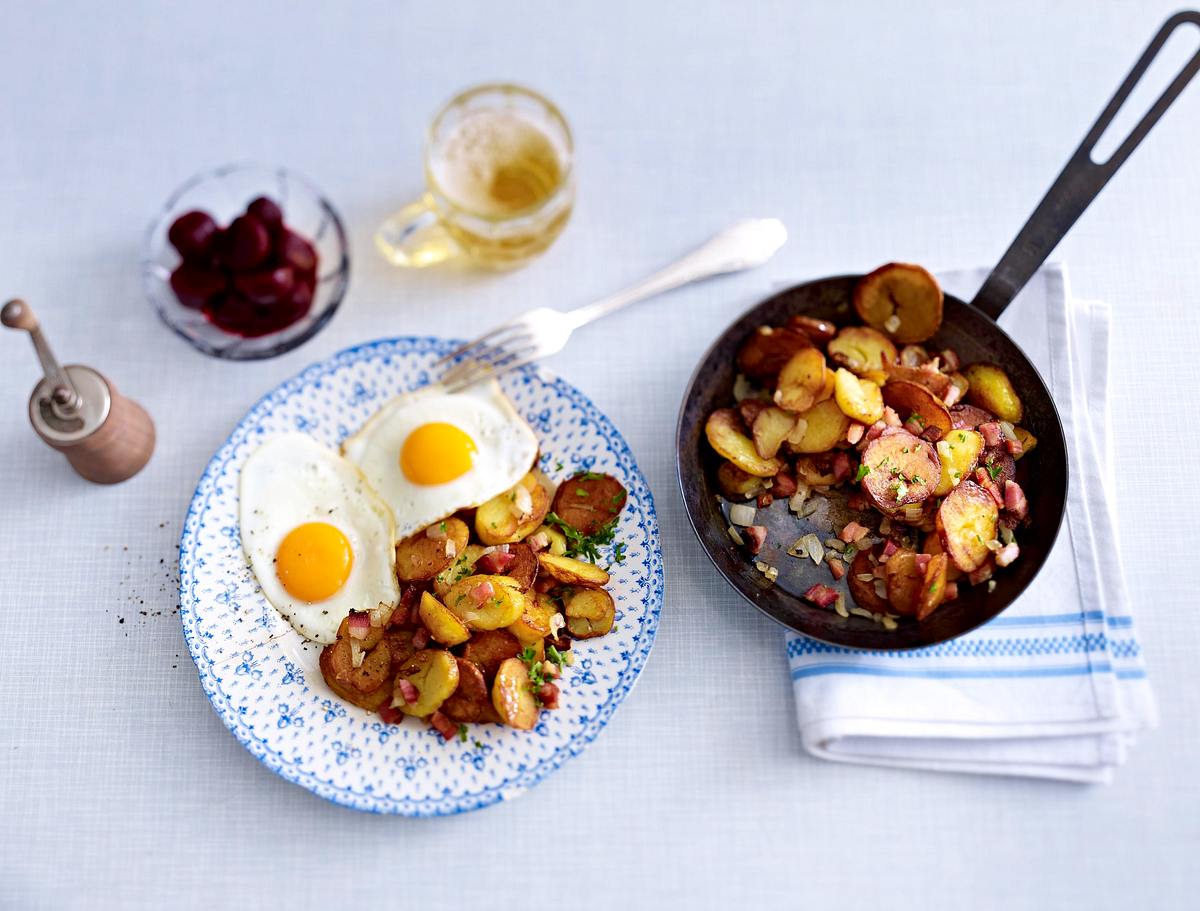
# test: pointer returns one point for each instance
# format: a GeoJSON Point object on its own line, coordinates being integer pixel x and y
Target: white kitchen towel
{"type": "Point", "coordinates": [1055, 687]}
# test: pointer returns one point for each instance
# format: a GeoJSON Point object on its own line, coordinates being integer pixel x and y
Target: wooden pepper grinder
{"type": "Point", "coordinates": [106, 437]}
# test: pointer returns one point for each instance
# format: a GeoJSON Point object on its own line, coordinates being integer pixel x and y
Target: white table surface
{"type": "Point", "coordinates": [921, 132]}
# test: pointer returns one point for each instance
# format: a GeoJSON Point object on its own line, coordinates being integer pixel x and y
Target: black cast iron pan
{"type": "Point", "coordinates": [971, 330]}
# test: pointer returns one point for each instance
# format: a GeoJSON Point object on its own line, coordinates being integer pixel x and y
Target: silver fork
{"type": "Point", "coordinates": [542, 332]}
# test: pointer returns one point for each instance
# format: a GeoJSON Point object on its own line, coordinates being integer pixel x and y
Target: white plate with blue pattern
{"type": "Point", "coordinates": [262, 678]}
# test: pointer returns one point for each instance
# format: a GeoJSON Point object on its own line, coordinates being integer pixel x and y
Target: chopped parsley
{"type": "Point", "coordinates": [554, 656]}
{"type": "Point", "coordinates": [863, 471]}
{"type": "Point", "coordinates": [442, 526]}
{"type": "Point", "coordinates": [933, 587]}
{"type": "Point", "coordinates": [585, 546]}
{"type": "Point", "coordinates": [462, 733]}
{"type": "Point", "coordinates": [590, 476]}
{"type": "Point", "coordinates": [581, 491]}
{"type": "Point", "coordinates": [618, 553]}
{"type": "Point", "coordinates": [558, 466]}
{"type": "Point", "coordinates": [994, 470]}
{"type": "Point", "coordinates": [850, 552]}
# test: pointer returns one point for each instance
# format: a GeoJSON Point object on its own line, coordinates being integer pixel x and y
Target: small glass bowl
{"type": "Point", "coordinates": [224, 194]}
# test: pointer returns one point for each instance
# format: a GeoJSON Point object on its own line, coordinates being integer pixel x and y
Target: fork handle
{"type": "Point", "coordinates": [743, 245]}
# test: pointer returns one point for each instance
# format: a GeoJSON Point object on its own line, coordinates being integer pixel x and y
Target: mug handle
{"type": "Point", "coordinates": [414, 237]}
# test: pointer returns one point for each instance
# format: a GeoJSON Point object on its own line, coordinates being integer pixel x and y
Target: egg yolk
{"type": "Point", "coordinates": [314, 561]}
{"type": "Point", "coordinates": [436, 453]}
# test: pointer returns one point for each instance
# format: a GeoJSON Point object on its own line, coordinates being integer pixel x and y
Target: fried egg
{"type": "Point", "coordinates": [319, 539]}
{"type": "Point", "coordinates": [430, 453]}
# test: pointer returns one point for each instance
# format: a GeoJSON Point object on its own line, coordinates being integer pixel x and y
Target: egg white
{"type": "Point", "coordinates": [290, 480]}
{"type": "Point", "coordinates": [505, 451]}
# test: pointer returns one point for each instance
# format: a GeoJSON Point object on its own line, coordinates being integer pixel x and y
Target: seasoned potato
{"type": "Point", "coordinates": [932, 545]}
{"type": "Point", "coordinates": [498, 609]}
{"type": "Point", "coordinates": [434, 673]}
{"type": "Point", "coordinates": [863, 351]}
{"type": "Point", "coordinates": [860, 400]}
{"type": "Point", "coordinates": [724, 433]}
{"type": "Point", "coordinates": [801, 380]}
{"type": "Point", "coordinates": [966, 522]}
{"type": "Point", "coordinates": [589, 612]}
{"type": "Point", "coordinates": [524, 567]}
{"type": "Point", "coordinates": [374, 634]}
{"type": "Point", "coordinates": [587, 501]}
{"type": "Point", "coordinates": [828, 389]}
{"type": "Point", "coordinates": [365, 685]}
{"type": "Point", "coordinates": [958, 452]}
{"type": "Point", "coordinates": [968, 417]}
{"type": "Point", "coordinates": [512, 696]}
{"type": "Point", "coordinates": [825, 425]}
{"type": "Point", "coordinates": [901, 469]}
{"type": "Point", "coordinates": [992, 389]}
{"type": "Point", "coordinates": [423, 556]}
{"type": "Point", "coordinates": [400, 644]}
{"type": "Point", "coordinates": [372, 701]}
{"type": "Point", "coordinates": [935, 382]}
{"type": "Point", "coordinates": [442, 623]}
{"type": "Point", "coordinates": [513, 516]}
{"type": "Point", "coordinates": [904, 582]}
{"type": "Point", "coordinates": [768, 349]}
{"type": "Point", "coordinates": [470, 702]}
{"type": "Point", "coordinates": [491, 648]}
{"type": "Point", "coordinates": [902, 300]}
{"type": "Point", "coordinates": [910, 399]}
{"type": "Point", "coordinates": [570, 571]}
{"type": "Point", "coordinates": [933, 586]}
{"type": "Point", "coordinates": [815, 471]}
{"type": "Point", "coordinates": [558, 541]}
{"type": "Point", "coordinates": [999, 465]}
{"type": "Point", "coordinates": [1027, 439]}
{"type": "Point", "coordinates": [863, 590]}
{"type": "Point", "coordinates": [462, 567]}
{"type": "Point", "coordinates": [733, 483]}
{"type": "Point", "coordinates": [819, 331]}
{"type": "Point", "coordinates": [771, 428]}
{"type": "Point", "coordinates": [534, 623]}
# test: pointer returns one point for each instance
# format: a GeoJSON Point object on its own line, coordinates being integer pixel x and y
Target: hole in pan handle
{"type": "Point", "coordinates": [1082, 179]}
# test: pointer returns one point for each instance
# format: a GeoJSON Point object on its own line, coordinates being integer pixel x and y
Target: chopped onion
{"type": "Point", "coordinates": [835, 544]}
{"type": "Point", "coordinates": [538, 542]}
{"type": "Point", "coordinates": [798, 549]}
{"type": "Point", "coordinates": [816, 550]}
{"type": "Point", "coordinates": [451, 548]}
{"type": "Point", "coordinates": [1010, 432]}
{"type": "Point", "coordinates": [742, 388]}
{"type": "Point", "coordinates": [1006, 535]}
{"type": "Point", "coordinates": [888, 623]}
{"type": "Point", "coordinates": [885, 526]}
{"type": "Point", "coordinates": [991, 585]}
{"type": "Point", "coordinates": [864, 577]}
{"type": "Point", "coordinates": [881, 589]}
{"type": "Point", "coordinates": [737, 538]}
{"type": "Point", "coordinates": [892, 323]}
{"type": "Point", "coordinates": [522, 503]}
{"type": "Point", "coordinates": [913, 513]}
{"type": "Point", "coordinates": [359, 623]}
{"type": "Point", "coordinates": [356, 654]}
{"type": "Point", "coordinates": [994, 545]}
{"type": "Point", "coordinates": [557, 622]}
{"type": "Point", "coordinates": [840, 606]}
{"type": "Point", "coordinates": [437, 531]}
{"type": "Point", "coordinates": [741, 514]}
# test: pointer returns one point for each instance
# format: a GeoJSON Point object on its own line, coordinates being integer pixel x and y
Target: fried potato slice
{"type": "Point", "coordinates": [512, 695]}
{"type": "Point", "coordinates": [513, 516]}
{"type": "Point", "coordinates": [992, 389]}
{"type": "Point", "coordinates": [463, 566]}
{"type": "Point", "coordinates": [966, 522]}
{"type": "Point", "coordinates": [933, 380]}
{"type": "Point", "coordinates": [801, 381]}
{"type": "Point", "coordinates": [958, 451]}
{"type": "Point", "coordinates": [570, 571]}
{"type": "Point", "coordinates": [901, 469]}
{"type": "Point", "coordinates": [733, 483]}
{"type": "Point", "coordinates": [763, 355]}
{"type": "Point", "coordinates": [442, 623]}
{"type": "Point", "coordinates": [932, 545]}
{"type": "Point", "coordinates": [901, 299]}
{"type": "Point", "coordinates": [589, 612]}
{"type": "Point", "coordinates": [491, 648]}
{"type": "Point", "coordinates": [860, 400]}
{"type": "Point", "coordinates": [587, 501]}
{"type": "Point", "coordinates": [933, 586]}
{"type": "Point", "coordinates": [499, 609]}
{"type": "Point", "coordinates": [863, 351]}
{"type": "Point", "coordinates": [470, 703]}
{"type": "Point", "coordinates": [770, 429]}
{"type": "Point", "coordinates": [422, 555]}
{"type": "Point", "coordinates": [365, 685]}
{"type": "Point", "coordinates": [819, 331]}
{"type": "Point", "coordinates": [904, 582]}
{"type": "Point", "coordinates": [1028, 440]}
{"type": "Point", "coordinates": [863, 590]}
{"type": "Point", "coordinates": [910, 399]}
{"type": "Point", "coordinates": [534, 624]}
{"type": "Point", "coordinates": [558, 541]}
{"type": "Point", "coordinates": [434, 673]}
{"type": "Point", "coordinates": [524, 568]}
{"type": "Point", "coordinates": [724, 433]}
{"type": "Point", "coordinates": [968, 417]}
{"type": "Point", "coordinates": [824, 426]}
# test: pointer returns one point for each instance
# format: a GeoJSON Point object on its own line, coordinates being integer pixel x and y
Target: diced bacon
{"type": "Point", "coordinates": [949, 359]}
{"type": "Point", "coordinates": [420, 638]}
{"type": "Point", "coordinates": [443, 725]}
{"type": "Point", "coordinates": [495, 562]}
{"type": "Point", "coordinates": [857, 502]}
{"type": "Point", "coordinates": [548, 695]}
{"type": "Point", "coordinates": [841, 466]}
{"type": "Point", "coordinates": [932, 434]}
{"type": "Point", "coordinates": [915, 426]}
{"type": "Point", "coordinates": [953, 394]}
{"type": "Point", "coordinates": [783, 485]}
{"type": "Point", "coordinates": [538, 542]}
{"type": "Point", "coordinates": [390, 715]}
{"type": "Point", "coordinates": [755, 536]}
{"type": "Point", "coordinates": [406, 689]}
{"type": "Point", "coordinates": [888, 549]}
{"type": "Point", "coordinates": [821, 595]}
{"type": "Point", "coordinates": [1014, 447]}
{"type": "Point", "coordinates": [874, 431]}
{"type": "Point", "coordinates": [922, 561]}
{"type": "Point", "coordinates": [763, 500]}
{"type": "Point", "coordinates": [984, 480]}
{"type": "Point", "coordinates": [437, 531]}
{"type": "Point", "coordinates": [890, 417]}
{"type": "Point", "coordinates": [1007, 554]}
{"type": "Point", "coordinates": [481, 592]}
{"type": "Point", "coordinates": [993, 433]}
{"type": "Point", "coordinates": [853, 532]}
{"type": "Point", "coordinates": [951, 591]}
{"type": "Point", "coordinates": [855, 433]}
{"type": "Point", "coordinates": [1014, 499]}
{"type": "Point", "coordinates": [837, 567]}
{"type": "Point", "coordinates": [359, 623]}
{"type": "Point", "coordinates": [980, 575]}
{"type": "Point", "coordinates": [880, 570]}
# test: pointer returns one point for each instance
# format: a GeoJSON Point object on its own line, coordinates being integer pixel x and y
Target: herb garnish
{"type": "Point", "coordinates": [994, 470]}
{"type": "Point", "coordinates": [863, 471]}
{"type": "Point", "coordinates": [585, 546]}
{"type": "Point", "coordinates": [462, 733]}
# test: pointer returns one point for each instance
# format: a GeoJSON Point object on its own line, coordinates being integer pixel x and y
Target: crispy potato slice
{"type": "Point", "coordinates": [863, 351]}
{"type": "Point", "coordinates": [491, 648]}
{"type": "Point", "coordinates": [968, 417]}
{"type": "Point", "coordinates": [860, 400]}
{"type": "Point", "coordinates": [819, 331]}
{"type": "Point", "coordinates": [400, 644]}
{"type": "Point", "coordinates": [421, 556]}
{"type": "Point", "coordinates": [933, 586]}
{"type": "Point", "coordinates": [534, 624]}
{"type": "Point", "coordinates": [374, 634]}
{"type": "Point", "coordinates": [733, 483]}
{"type": "Point", "coordinates": [463, 566]}
{"type": "Point", "coordinates": [587, 501]}
{"type": "Point", "coordinates": [509, 517]}
{"type": "Point", "coordinates": [470, 703]}
{"type": "Point", "coordinates": [558, 541]}
{"type": "Point", "coordinates": [570, 571]}
{"type": "Point", "coordinates": [828, 389]}
{"type": "Point", "coordinates": [771, 428]}
{"type": "Point", "coordinates": [365, 685]}
{"type": "Point", "coordinates": [992, 389]}
{"type": "Point", "coordinates": [966, 521]}
{"type": "Point", "coordinates": [501, 608]}
{"type": "Point", "coordinates": [936, 382]}
{"type": "Point", "coordinates": [910, 399]}
{"type": "Point", "coordinates": [904, 582]}
{"type": "Point", "coordinates": [932, 545]}
{"type": "Point", "coordinates": [1027, 439]}
{"type": "Point", "coordinates": [999, 465]}
{"type": "Point", "coordinates": [815, 471]}
{"type": "Point", "coordinates": [863, 590]}
{"type": "Point", "coordinates": [589, 612]}
{"type": "Point", "coordinates": [901, 469]}
{"type": "Point", "coordinates": [434, 673]}
{"type": "Point", "coordinates": [801, 380]}
{"type": "Point", "coordinates": [512, 695]}
{"type": "Point", "coordinates": [724, 433]}
{"type": "Point", "coordinates": [825, 425]}
{"type": "Point", "coordinates": [524, 568]}
{"type": "Point", "coordinates": [442, 623]}
{"type": "Point", "coordinates": [958, 451]}
{"type": "Point", "coordinates": [763, 355]}
{"type": "Point", "coordinates": [901, 299]}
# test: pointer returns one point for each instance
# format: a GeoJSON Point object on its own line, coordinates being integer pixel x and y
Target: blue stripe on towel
{"type": "Point", "coordinates": [957, 673]}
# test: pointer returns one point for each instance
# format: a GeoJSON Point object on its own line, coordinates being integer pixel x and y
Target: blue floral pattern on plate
{"type": "Point", "coordinates": [262, 678]}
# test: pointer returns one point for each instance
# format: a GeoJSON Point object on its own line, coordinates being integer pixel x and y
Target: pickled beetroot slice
{"type": "Point", "coordinates": [195, 287]}
{"type": "Point", "coordinates": [268, 212]}
{"type": "Point", "coordinates": [296, 252]}
{"type": "Point", "coordinates": [266, 286]}
{"type": "Point", "coordinates": [246, 243]}
{"type": "Point", "coordinates": [193, 235]}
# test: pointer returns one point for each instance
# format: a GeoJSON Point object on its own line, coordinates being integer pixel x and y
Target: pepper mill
{"type": "Point", "coordinates": [106, 437]}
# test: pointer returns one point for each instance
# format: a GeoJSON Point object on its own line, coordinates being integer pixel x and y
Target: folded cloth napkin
{"type": "Point", "coordinates": [1055, 687]}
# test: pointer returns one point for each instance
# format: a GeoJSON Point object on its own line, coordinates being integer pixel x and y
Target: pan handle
{"type": "Point", "coordinates": [1081, 179]}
